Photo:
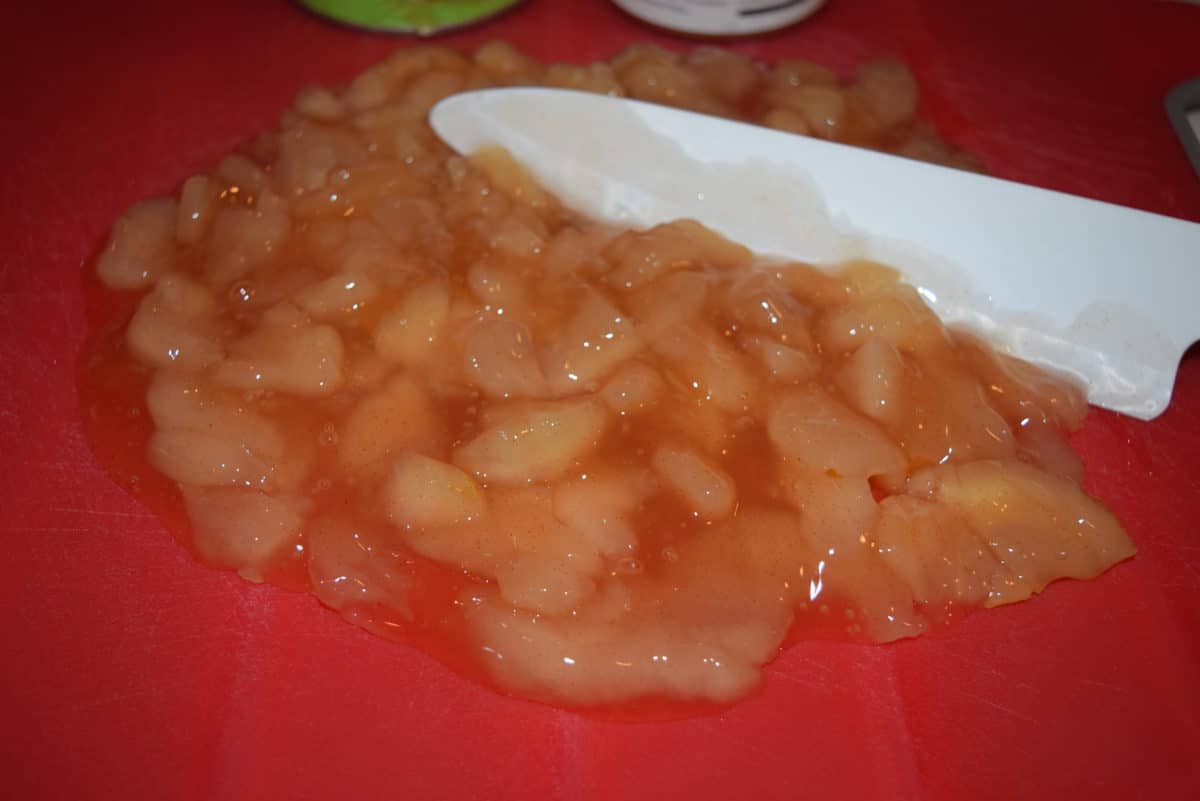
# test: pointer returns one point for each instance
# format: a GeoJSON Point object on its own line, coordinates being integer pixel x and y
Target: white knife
{"type": "Point", "coordinates": [1108, 294]}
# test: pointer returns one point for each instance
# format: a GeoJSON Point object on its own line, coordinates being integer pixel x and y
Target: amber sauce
{"type": "Point", "coordinates": [961, 402]}
{"type": "Point", "coordinates": [113, 390]}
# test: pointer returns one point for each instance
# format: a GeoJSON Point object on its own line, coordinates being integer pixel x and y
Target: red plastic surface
{"type": "Point", "coordinates": [130, 671]}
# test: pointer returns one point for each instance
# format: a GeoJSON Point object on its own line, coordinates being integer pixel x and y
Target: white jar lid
{"type": "Point", "coordinates": [720, 17]}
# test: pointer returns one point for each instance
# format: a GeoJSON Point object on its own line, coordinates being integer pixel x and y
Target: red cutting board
{"type": "Point", "coordinates": [130, 671]}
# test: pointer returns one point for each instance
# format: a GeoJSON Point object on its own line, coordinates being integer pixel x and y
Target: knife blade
{"type": "Point", "coordinates": [1104, 293]}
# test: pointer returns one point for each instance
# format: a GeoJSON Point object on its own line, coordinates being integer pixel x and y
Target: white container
{"type": "Point", "coordinates": [720, 17]}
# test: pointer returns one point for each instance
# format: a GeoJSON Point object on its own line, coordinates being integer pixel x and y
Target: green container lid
{"type": "Point", "coordinates": [422, 17]}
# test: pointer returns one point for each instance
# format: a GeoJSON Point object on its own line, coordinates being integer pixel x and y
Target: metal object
{"type": "Point", "coordinates": [1183, 107]}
